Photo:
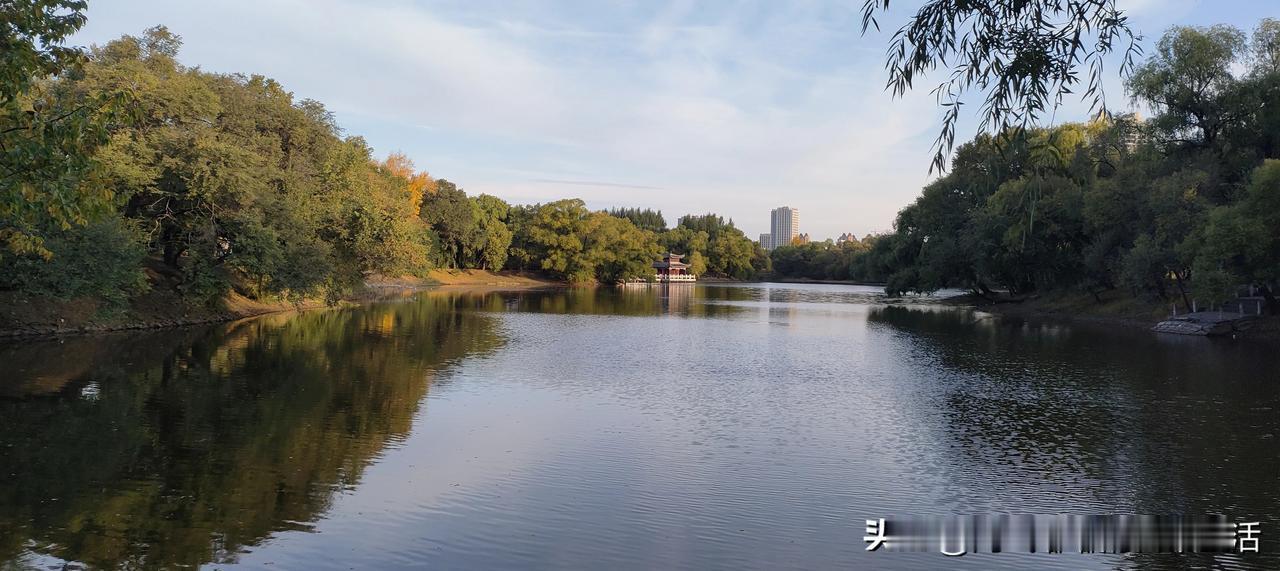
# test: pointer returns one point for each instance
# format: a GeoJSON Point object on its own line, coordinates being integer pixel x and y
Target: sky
{"type": "Point", "coordinates": [732, 107]}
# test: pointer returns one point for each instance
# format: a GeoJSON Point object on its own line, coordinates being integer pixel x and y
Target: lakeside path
{"type": "Point", "coordinates": [33, 318]}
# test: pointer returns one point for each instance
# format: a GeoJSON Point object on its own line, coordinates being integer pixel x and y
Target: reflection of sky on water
{"type": "Point", "coordinates": [746, 427]}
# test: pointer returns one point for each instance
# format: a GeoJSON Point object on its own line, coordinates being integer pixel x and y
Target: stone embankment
{"type": "Point", "coordinates": [1206, 323]}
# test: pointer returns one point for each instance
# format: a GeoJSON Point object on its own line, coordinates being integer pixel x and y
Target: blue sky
{"type": "Point", "coordinates": [688, 107]}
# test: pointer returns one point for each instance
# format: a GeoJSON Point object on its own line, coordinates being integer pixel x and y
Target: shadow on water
{"type": "Point", "coordinates": [1146, 423]}
{"type": "Point", "coordinates": [182, 447]}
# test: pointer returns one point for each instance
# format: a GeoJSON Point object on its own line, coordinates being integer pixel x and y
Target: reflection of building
{"type": "Point", "coordinates": [784, 225]}
{"type": "Point", "coordinates": [766, 241]}
{"type": "Point", "coordinates": [675, 299]}
{"type": "Point", "coordinates": [671, 269]}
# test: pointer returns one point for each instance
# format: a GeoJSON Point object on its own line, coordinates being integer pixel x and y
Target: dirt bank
{"type": "Point", "coordinates": [489, 279]}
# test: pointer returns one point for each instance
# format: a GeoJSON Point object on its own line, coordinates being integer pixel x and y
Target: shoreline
{"type": "Point", "coordinates": [833, 282]}
{"type": "Point", "coordinates": [1035, 309]}
{"type": "Point", "coordinates": [1128, 314]}
{"type": "Point", "coordinates": [158, 309]}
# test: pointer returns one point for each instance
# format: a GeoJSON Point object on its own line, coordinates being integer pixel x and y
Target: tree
{"type": "Point", "coordinates": [453, 220]}
{"type": "Point", "coordinates": [236, 185]}
{"type": "Point", "coordinates": [1241, 242]}
{"type": "Point", "coordinates": [47, 139]}
{"type": "Point", "coordinates": [556, 231]}
{"type": "Point", "coordinates": [1022, 54]}
{"type": "Point", "coordinates": [583, 246]}
{"type": "Point", "coordinates": [728, 251]}
{"type": "Point", "coordinates": [493, 238]}
{"type": "Point", "coordinates": [101, 260]}
{"type": "Point", "coordinates": [644, 219]}
{"type": "Point", "coordinates": [1188, 79]}
{"type": "Point", "coordinates": [697, 263]}
{"type": "Point", "coordinates": [685, 240]}
{"type": "Point", "coordinates": [418, 183]}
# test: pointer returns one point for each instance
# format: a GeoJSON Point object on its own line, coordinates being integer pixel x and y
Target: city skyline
{"type": "Point", "coordinates": [784, 226]}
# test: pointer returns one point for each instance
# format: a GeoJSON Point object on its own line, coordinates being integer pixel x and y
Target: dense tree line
{"type": "Point", "coordinates": [714, 245]}
{"type": "Point", "coordinates": [643, 218]}
{"type": "Point", "coordinates": [825, 260]}
{"type": "Point", "coordinates": [125, 169]}
{"type": "Point", "coordinates": [223, 181]}
{"type": "Point", "coordinates": [1184, 205]}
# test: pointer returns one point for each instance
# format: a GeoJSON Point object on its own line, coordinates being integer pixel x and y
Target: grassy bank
{"type": "Point", "coordinates": [1108, 307]}
{"type": "Point", "coordinates": [23, 316]}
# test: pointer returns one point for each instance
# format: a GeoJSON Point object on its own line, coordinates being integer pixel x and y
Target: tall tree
{"type": "Point", "coordinates": [492, 236]}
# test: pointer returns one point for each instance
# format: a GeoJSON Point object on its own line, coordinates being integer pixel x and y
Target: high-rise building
{"type": "Point", "coordinates": [784, 226]}
{"type": "Point", "coordinates": [766, 241]}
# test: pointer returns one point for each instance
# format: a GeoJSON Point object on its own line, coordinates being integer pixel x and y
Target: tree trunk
{"type": "Point", "coordinates": [171, 250]}
{"type": "Point", "coordinates": [1186, 302]}
{"type": "Point", "coordinates": [1273, 306]}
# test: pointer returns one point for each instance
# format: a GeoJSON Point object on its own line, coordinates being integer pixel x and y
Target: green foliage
{"type": "Point", "coordinates": [645, 219]}
{"type": "Point", "coordinates": [47, 136]}
{"type": "Point", "coordinates": [492, 238]}
{"type": "Point", "coordinates": [1176, 207]}
{"type": "Point", "coordinates": [820, 260]}
{"type": "Point", "coordinates": [583, 246]}
{"type": "Point", "coordinates": [237, 185]}
{"type": "Point", "coordinates": [697, 263]}
{"type": "Point", "coordinates": [453, 221]}
{"type": "Point", "coordinates": [231, 183]}
{"type": "Point", "coordinates": [102, 259]}
{"type": "Point", "coordinates": [727, 250]}
{"type": "Point", "coordinates": [1021, 54]}
{"type": "Point", "coordinates": [1187, 77]}
{"type": "Point", "coordinates": [687, 241]}
{"type": "Point", "coordinates": [1241, 242]}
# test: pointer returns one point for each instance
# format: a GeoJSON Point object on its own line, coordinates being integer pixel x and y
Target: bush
{"type": "Point", "coordinates": [103, 259]}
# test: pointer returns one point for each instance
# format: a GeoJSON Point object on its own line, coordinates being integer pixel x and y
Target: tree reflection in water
{"type": "Point", "coordinates": [183, 447]}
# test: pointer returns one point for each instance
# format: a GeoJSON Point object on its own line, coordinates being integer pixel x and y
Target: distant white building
{"type": "Point", "coordinates": [784, 226]}
{"type": "Point", "coordinates": [766, 241]}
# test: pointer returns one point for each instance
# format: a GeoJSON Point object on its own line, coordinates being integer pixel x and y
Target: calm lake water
{"type": "Point", "coordinates": [689, 427]}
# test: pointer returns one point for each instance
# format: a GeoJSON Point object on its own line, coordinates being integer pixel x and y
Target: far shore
{"type": "Point", "coordinates": [836, 282]}
{"type": "Point", "coordinates": [25, 317]}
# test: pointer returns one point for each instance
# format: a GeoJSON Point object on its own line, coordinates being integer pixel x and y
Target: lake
{"type": "Point", "coordinates": [745, 426]}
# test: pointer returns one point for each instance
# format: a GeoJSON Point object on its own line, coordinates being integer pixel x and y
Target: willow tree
{"type": "Point", "coordinates": [1022, 55]}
